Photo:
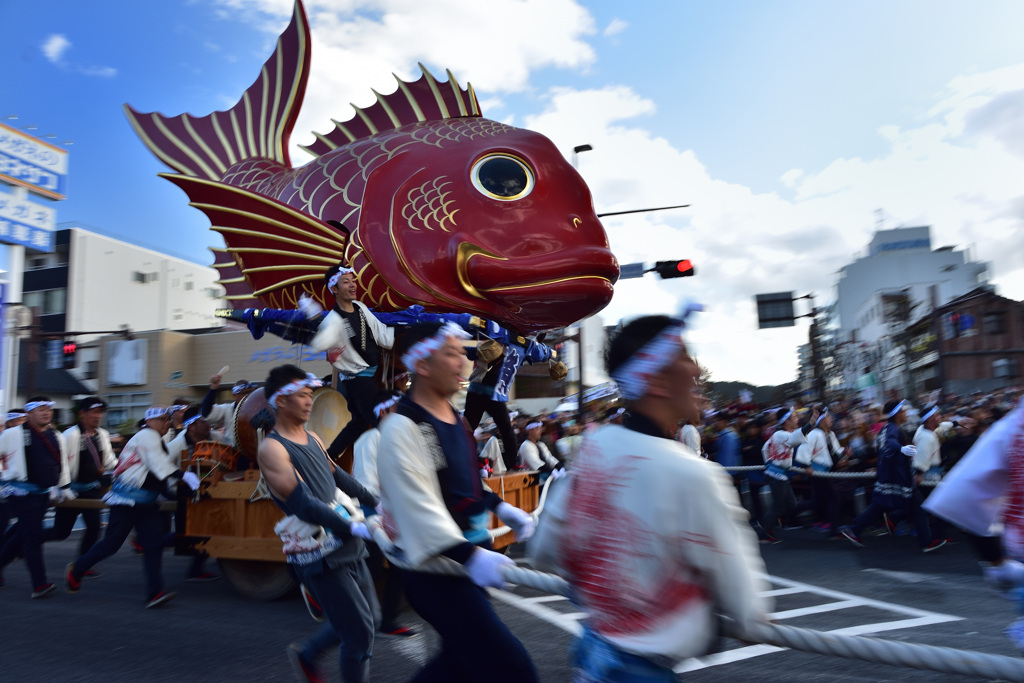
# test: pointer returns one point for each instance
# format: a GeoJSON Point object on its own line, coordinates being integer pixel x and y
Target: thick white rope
{"type": "Point", "coordinates": [823, 475]}
{"type": "Point", "coordinates": [912, 655]}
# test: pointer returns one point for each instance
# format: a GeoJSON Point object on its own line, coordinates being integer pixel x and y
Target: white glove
{"type": "Point", "coordinates": [309, 307]}
{"type": "Point", "coordinates": [191, 480]}
{"type": "Point", "coordinates": [56, 495]}
{"type": "Point", "coordinates": [909, 451]}
{"type": "Point", "coordinates": [484, 567]}
{"type": "Point", "coordinates": [69, 494]}
{"type": "Point", "coordinates": [558, 474]}
{"type": "Point", "coordinates": [359, 530]}
{"type": "Point", "coordinates": [521, 522]}
{"type": "Point", "coordinates": [1007, 575]}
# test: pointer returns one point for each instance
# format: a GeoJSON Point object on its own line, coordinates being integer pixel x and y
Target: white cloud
{"type": "Point", "coordinates": [101, 71]}
{"type": "Point", "coordinates": [958, 171]}
{"type": "Point", "coordinates": [55, 46]}
{"type": "Point", "coordinates": [615, 27]}
{"type": "Point", "coordinates": [358, 44]}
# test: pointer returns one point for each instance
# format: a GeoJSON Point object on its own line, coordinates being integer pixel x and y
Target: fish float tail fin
{"type": "Point", "coordinates": [258, 126]}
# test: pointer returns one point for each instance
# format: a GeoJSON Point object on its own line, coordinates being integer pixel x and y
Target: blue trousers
{"type": "Point", "coordinates": [27, 537]}
{"type": "Point", "coordinates": [873, 515]}
{"type": "Point", "coordinates": [148, 525]}
{"type": "Point", "coordinates": [472, 635]}
{"type": "Point", "coordinates": [349, 601]}
{"type": "Point", "coordinates": [595, 660]}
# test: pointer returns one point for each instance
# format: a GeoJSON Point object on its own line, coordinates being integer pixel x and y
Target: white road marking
{"type": "Point", "coordinates": [906, 577]}
{"type": "Point", "coordinates": [914, 618]}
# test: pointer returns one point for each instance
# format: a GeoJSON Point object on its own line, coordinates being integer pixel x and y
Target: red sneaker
{"type": "Point", "coordinates": [71, 584]}
{"type": "Point", "coordinates": [159, 599]}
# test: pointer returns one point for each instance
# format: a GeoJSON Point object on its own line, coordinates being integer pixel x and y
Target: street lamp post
{"type": "Point", "coordinates": [579, 334]}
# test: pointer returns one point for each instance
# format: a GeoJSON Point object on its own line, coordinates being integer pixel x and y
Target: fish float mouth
{"type": "Point", "coordinates": [539, 289]}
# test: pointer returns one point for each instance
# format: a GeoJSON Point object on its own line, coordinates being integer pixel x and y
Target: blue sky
{"type": "Point", "coordinates": [785, 124]}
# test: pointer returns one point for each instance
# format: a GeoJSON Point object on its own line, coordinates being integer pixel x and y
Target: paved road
{"type": "Point", "coordinates": [210, 634]}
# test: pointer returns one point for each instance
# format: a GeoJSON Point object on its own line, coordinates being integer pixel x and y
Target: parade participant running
{"type": "Point", "coordinates": [820, 455]}
{"type": "Point", "coordinates": [895, 496]}
{"type": "Point", "coordinates": [352, 337]}
{"type": "Point", "coordinates": [778, 456]}
{"type": "Point", "coordinates": [435, 502]}
{"type": "Point", "coordinates": [318, 495]}
{"type": "Point", "coordinates": [651, 537]}
{"type": "Point", "coordinates": [35, 472]}
{"type": "Point", "coordinates": [89, 456]}
{"type": "Point", "coordinates": [144, 473]}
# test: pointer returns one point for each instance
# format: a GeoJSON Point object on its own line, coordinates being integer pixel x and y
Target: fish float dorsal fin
{"type": "Point", "coordinates": [424, 99]}
{"type": "Point", "coordinates": [258, 126]}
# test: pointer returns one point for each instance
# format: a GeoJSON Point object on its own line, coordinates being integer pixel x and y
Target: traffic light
{"type": "Point", "coordinates": [667, 269]}
{"type": "Point", "coordinates": [70, 347]}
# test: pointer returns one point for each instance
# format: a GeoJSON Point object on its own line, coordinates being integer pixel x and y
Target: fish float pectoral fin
{"type": "Point", "coordinates": [279, 251]}
{"type": "Point", "coordinates": [205, 147]}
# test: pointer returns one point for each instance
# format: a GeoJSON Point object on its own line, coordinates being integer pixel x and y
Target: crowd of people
{"type": "Point", "coordinates": [932, 433]}
{"type": "Point", "coordinates": [651, 533]}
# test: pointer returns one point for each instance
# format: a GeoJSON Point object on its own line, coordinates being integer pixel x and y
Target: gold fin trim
{"type": "Point", "coordinates": [223, 139]}
{"type": "Point", "coordinates": [436, 90]}
{"type": "Point", "coordinates": [366, 119]}
{"type": "Point", "coordinates": [404, 87]}
{"type": "Point", "coordinates": [324, 140]}
{"type": "Point", "coordinates": [158, 121]}
{"type": "Point", "coordinates": [285, 283]}
{"type": "Point", "coordinates": [186, 120]}
{"type": "Point", "coordinates": [251, 149]}
{"type": "Point", "coordinates": [254, 233]}
{"type": "Point", "coordinates": [264, 128]}
{"type": "Point", "coordinates": [345, 131]}
{"type": "Point", "coordinates": [456, 90]}
{"type": "Point", "coordinates": [387, 109]}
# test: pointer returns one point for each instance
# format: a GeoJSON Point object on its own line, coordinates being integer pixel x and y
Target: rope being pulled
{"type": "Point", "coordinates": [823, 475]}
{"type": "Point", "coordinates": [913, 655]}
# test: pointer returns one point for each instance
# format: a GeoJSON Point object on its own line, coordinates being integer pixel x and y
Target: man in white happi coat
{"type": "Point", "coordinates": [534, 453]}
{"type": "Point", "coordinates": [651, 537]}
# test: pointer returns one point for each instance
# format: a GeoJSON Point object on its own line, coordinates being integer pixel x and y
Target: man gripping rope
{"type": "Point", "coordinates": [650, 536]}
{"type": "Point", "coordinates": [437, 507]}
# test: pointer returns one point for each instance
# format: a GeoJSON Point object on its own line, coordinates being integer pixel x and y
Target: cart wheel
{"type": "Point", "coordinates": [258, 580]}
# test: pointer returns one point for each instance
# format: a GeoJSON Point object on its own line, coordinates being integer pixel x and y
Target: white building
{"type": "Point", "coordinates": [897, 260]}
{"type": "Point", "coordinates": [96, 284]}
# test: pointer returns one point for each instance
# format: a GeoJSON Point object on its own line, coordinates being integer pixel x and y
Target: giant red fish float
{"type": "Point", "coordinates": [429, 202]}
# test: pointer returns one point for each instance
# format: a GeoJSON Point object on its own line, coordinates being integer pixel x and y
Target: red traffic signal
{"type": "Point", "coordinates": [70, 347]}
{"type": "Point", "coordinates": [670, 269]}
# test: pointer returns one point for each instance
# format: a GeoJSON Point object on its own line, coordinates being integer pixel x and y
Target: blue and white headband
{"type": "Point", "coordinates": [789, 414]}
{"type": "Point", "coordinates": [931, 411]}
{"type": "Point", "coordinates": [534, 425]}
{"type": "Point", "coordinates": [824, 414]}
{"type": "Point", "coordinates": [310, 381]}
{"type": "Point", "coordinates": [336, 278]}
{"type": "Point", "coordinates": [172, 409]}
{"type": "Point", "coordinates": [188, 423]}
{"type": "Point", "coordinates": [239, 388]}
{"type": "Point", "coordinates": [384, 405]}
{"type": "Point", "coordinates": [13, 416]}
{"type": "Point", "coordinates": [898, 408]}
{"type": "Point", "coordinates": [635, 375]}
{"type": "Point", "coordinates": [155, 412]}
{"type": "Point", "coordinates": [427, 347]}
{"type": "Point", "coordinates": [29, 407]}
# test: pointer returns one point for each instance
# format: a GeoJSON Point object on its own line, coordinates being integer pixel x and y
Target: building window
{"type": "Point", "coordinates": [179, 314]}
{"type": "Point", "coordinates": [189, 285]}
{"type": "Point", "coordinates": [1004, 367]}
{"type": "Point", "coordinates": [91, 370]}
{"type": "Point", "coordinates": [994, 322]}
{"type": "Point", "coordinates": [139, 276]}
{"type": "Point", "coordinates": [123, 408]}
{"type": "Point", "coordinates": [48, 301]}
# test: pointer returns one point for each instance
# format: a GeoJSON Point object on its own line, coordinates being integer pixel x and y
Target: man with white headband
{"type": "Point", "coordinates": [820, 455]}
{"type": "Point", "coordinates": [220, 416]}
{"type": "Point", "coordinates": [437, 507]}
{"type": "Point", "coordinates": [895, 496]}
{"type": "Point", "coordinates": [35, 473]}
{"type": "Point", "coordinates": [193, 428]}
{"type": "Point", "coordinates": [778, 458]}
{"type": "Point", "coordinates": [651, 537]}
{"type": "Point", "coordinates": [352, 337]}
{"type": "Point", "coordinates": [143, 474]}
{"type": "Point", "coordinates": [534, 453]}
{"type": "Point", "coordinates": [177, 413]}
{"type": "Point", "coordinates": [323, 531]}
{"type": "Point", "coordinates": [90, 457]}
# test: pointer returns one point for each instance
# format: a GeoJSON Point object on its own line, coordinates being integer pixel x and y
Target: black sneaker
{"type": "Point", "coordinates": [71, 584]}
{"type": "Point", "coordinates": [934, 545]}
{"type": "Point", "coordinates": [847, 533]}
{"type": "Point", "coordinates": [159, 599]}
{"type": "Point", "coordinates": [203, 577]}
{"type": "Point", "coordinates": [304, 669]}
{"type": "Point", "coordinates": [890, 526]}
{"type": "Point", "coordinates": [399, 631]}
{"type": "Point", "coordinates": [45, 589]}
{"type": "Point", "coordinates": [315, 610]}
{"type": "Point", "coordinates": [770, 538]}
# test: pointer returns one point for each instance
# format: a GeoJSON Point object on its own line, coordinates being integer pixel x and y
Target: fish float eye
{"type": "Point", "coordinates": [503, 177]}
